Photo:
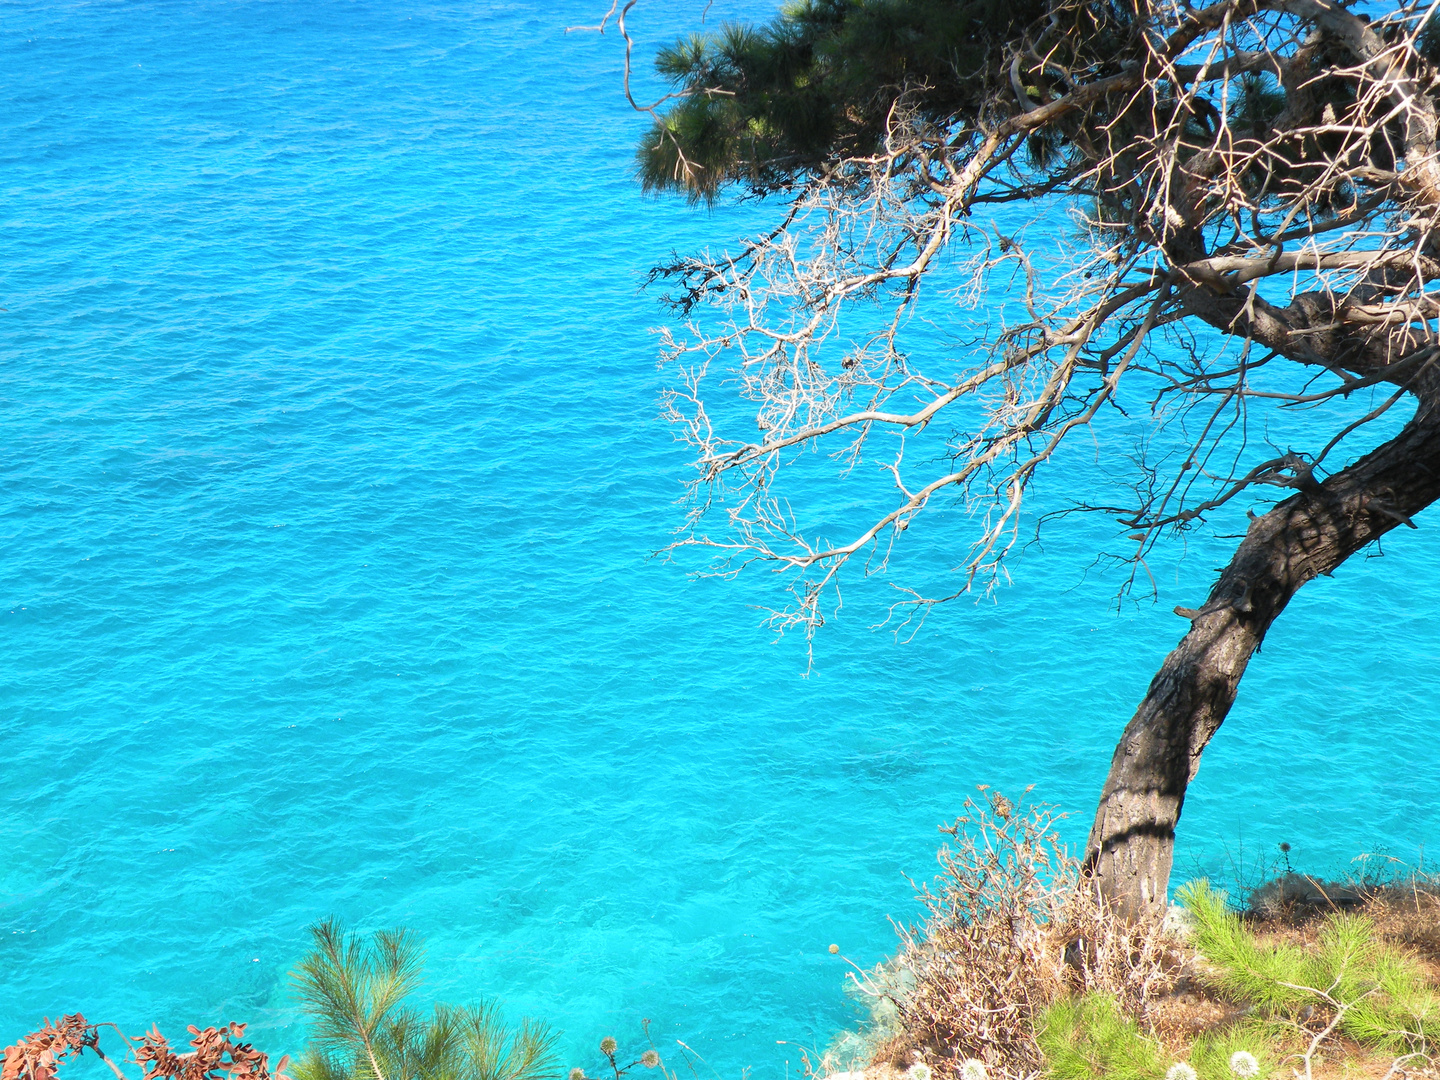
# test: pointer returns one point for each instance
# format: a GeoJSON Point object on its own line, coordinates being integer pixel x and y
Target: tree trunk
{"type": "Point", "coordinates": [1131, 844]}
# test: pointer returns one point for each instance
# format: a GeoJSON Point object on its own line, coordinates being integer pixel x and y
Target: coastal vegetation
{"type": "Point", "coordinates": [649, 1058]}
{"type": "Point", "coordinates": [1240, 224]}
{"type": "Point", "coordinates": [362, 1027]}
{"type": "Point", "coordinates": [215, 1054]}
{"type": "Point", "coordinates": [354, 992]}
{"type": "Point", "coordinates": [1016, 970]}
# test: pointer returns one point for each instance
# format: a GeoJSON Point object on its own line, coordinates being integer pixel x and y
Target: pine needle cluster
{"type": "Point", "coordinates": [1369, 991]}
{"type": "Point", "coordinates": [355, 992]}
{"type": "Point", "coordinates": [767, 105]}
{"type": "Point", "coordinates": [1301, 1005]}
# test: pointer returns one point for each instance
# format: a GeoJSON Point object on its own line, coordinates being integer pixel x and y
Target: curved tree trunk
{"type": "Point", "coordinates": [1131, 843]}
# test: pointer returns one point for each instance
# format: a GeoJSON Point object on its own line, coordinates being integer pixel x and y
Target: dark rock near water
{"type": "Point", "coordinates": [1293, 891]}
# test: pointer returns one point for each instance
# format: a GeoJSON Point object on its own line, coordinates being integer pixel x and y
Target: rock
{"type": "Point", "coordinates": [1179, 921]}
{"type": "Point", "coordinates": [1297, 890]}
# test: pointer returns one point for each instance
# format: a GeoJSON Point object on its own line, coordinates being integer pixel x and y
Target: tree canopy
{"type": "Point", "coordinates": [768, 107]}
{"type": "Point", "coordinates": [1241, 205]}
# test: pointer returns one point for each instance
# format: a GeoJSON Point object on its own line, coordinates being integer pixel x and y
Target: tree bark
{"type": "Point", "coordinates": [1131, 844]}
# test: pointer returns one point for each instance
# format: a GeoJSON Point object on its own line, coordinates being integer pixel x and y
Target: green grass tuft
{"type": "Point", "coordinates": [1088, 1038]}
{"type": "Point", "coordinates": [1210, 1054]}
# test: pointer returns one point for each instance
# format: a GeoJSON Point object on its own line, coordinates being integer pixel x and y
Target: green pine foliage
{"type": "Point", "coordinates": [355, 993]}
{"type": "Point", "coordinates": [1374, 995]}
{"type": "Point", "coordinates": [766, 106]}
{"type": "Point", "coordinates": [769, 107]}
{"type": "Point", "coordinates": [1383, 996]}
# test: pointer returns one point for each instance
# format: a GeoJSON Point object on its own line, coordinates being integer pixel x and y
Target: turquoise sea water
{"type": "Point", "coordinates": [328, 478]}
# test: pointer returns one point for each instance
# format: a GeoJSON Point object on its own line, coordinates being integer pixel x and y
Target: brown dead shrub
{"type": "Point", "coordinates": [1010, 926]}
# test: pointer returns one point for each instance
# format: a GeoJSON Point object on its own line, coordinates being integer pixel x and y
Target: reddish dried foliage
{"type": "Point", "coordinates": [36, 1056]}
{"type": "Point", "coordinates": [216, 1054]}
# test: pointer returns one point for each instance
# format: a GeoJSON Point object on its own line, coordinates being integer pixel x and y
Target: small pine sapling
{"type": "Point", "coordinates": [1350, 984]}
{"type": "Point", "coordinates": [355, 992]}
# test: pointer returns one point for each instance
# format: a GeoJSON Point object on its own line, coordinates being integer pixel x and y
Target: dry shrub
{"type": "Point", "coordinates": [1011, 927]}
{"type": "Point", "coordinates": [1407, 913]}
